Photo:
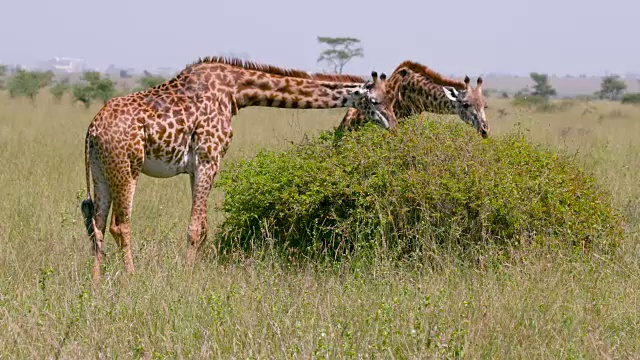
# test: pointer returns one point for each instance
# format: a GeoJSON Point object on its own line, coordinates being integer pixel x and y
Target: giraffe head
{"type": "Point", "coordinates": [374, 102]}
{"type": "Point", "coordinates": [470, 105]}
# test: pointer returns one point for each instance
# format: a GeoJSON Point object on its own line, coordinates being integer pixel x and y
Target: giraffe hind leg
{"type": "Point", "coordinates": [100, 205]}
{"type": "Point", "coordinates": [121, 219]}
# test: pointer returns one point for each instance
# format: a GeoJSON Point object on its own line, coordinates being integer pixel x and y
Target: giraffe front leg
{"type": "Point", "coordinates": [201, 183]}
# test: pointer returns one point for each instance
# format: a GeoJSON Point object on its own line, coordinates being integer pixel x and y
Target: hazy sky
{"type": "Point", "coordinates": [461, 37]}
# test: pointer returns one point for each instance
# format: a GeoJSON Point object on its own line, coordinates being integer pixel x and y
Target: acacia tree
{"type": "Point", "coordinates": [59, 89]}
{"type": "Point", "coordinates": [542, 87]}
{"type": "Point", "coordinates": [148, 81]}
{"type": "Point", "coordinates": [28, 83]}
{"type": "Point", "coordinates": [3, 71]}
{"type": "Point", "coordinates": [611, 88]}
{"type": "Point", "coordinates": [341, 50]}
{"type": "Point", "coordinates": [94, 88]}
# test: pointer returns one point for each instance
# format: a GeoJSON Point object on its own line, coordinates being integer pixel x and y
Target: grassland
{"type": "Point", "coordinates": [546, 305]}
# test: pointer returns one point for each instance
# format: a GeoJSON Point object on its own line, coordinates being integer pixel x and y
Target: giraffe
{"type": "Point", "coordinates": [184, 126]}
{"type": "Point", "coordinates": [414, 88]}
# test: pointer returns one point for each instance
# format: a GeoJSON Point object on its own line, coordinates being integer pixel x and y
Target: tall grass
{"type": "Point", "coordinates": [548, 304]}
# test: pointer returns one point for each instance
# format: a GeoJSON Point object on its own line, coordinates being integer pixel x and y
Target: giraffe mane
{"type": "Point", "coordinates": [431, 74]}
{"type": "Point", "coordinates": [338, 78]}
{"type": "Point", "coordinates": [250, 65]}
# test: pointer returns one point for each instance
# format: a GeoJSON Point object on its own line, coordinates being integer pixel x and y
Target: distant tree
{"type": "Point", "coordinates": [124, 74]}
{"type": "Point", "coordinates": [59, 88]}
{"type": "Point", "coordinates": [103, 88]}
{"type": "Point", "coordinates": [341, 51]}
{"type": "Point", "coordinates": [3, 72]}
{"type": "Point", "coordinates": [631, 98]}
{"type": "Point", "coordinates": [83, 93]}
{"type": "Point", "coordinates": [94, 88]}
{"type": "Point", "coordinates": [28, 83]}
{"type": "Point", "coordinates": [611, 88]}
{"type": "Point", "coordinates": [542, 87]}
{"type": "Point", "coordinates": [148, 81]}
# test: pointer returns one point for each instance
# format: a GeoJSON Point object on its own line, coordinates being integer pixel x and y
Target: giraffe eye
{"type": "Point", "coordinates": [465, 105]}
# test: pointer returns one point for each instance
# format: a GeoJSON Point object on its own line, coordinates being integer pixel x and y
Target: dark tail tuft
{"type": "Point", "coordinates": [88, 212]}
{"type": "Point", "coordinates": [87, 207]}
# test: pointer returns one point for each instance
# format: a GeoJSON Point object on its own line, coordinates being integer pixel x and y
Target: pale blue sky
{"type": "Point", "coordinates": [464, 36]}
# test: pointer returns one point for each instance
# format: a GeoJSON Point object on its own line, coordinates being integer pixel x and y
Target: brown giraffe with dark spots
{"type": "Point", "coordinates": [183, 126]}
{"type": "Point", "coordinates": [414, 88]}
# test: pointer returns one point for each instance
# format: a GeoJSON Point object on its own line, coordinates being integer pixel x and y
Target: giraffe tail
{"type": "Point", "coordinates": [87, 207]}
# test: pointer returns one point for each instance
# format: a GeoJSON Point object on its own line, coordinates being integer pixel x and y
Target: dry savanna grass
{"type": "Point", "coordinates": [549, 304]}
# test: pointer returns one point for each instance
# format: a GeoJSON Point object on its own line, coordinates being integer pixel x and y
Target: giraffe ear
{"type": "Point", "coordinates": [467, 82]}
{"type": "Point", "coordinates": [451, 93]}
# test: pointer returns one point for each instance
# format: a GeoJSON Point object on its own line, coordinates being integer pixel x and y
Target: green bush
{"type": "Point", "coordinates": [536, 102]}
{"type": "Point", "coordinates": [631, 98]}
{"type": "Point", "coordinates": [28, 83]}
{"type": "Point", "coordinates": [148, 81]}
{"type": "Point", "coordinates": [585, 97]}
{"type": "Point", "coordinates": [542, 104]}
{"type": "Point", "coordinates": [3, 71]}
{"type": "Point", "coordinates": [59, 89]}
{"type": "Point", "coordinates": [433, 183]}
{"type": "Point", "coordinates": [94, 87]}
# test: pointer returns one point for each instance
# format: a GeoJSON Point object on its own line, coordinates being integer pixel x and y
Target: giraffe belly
{"type": "Point", "coordinates": [160, 168]}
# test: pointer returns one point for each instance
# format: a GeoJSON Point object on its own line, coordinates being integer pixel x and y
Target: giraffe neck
{"type": "Point", "coordinates": [253, 87]}
{"type": "Point", "coordinates": [417, 93]}
{"type": "Point", "coordinates": [420, 88]}
{"type": "Point", "coordinates": [256, 89]}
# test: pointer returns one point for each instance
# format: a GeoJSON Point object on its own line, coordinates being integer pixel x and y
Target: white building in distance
{"type": "Point", "coordinates": [64, 65]}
